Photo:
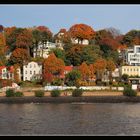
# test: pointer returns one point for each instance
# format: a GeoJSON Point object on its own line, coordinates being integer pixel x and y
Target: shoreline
{"type": "Point", "coordinates": [70, 99]}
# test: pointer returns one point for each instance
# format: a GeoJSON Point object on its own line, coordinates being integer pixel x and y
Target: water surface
{"type": "Point", "coordinates": [70, 119]}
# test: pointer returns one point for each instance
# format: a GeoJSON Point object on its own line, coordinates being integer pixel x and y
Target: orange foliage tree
{"type": "Point", "coordinates": [81, 31]}
{"type": "Point", "coordinates": [2, 49]}
{"type": "Point", "coordinates": [16, 74]}
{"type": "Point", "coordinates": [24, 40]}
{"type": "Point", "coordinates": [110, 67]}
{"type": "Point", "coordinates": [100, 66]}
{"type": "Point", "coordinates": [19, 55]}
{"type": "Point", "coordinates": [92, 71]}
{"type": "Point", "coordinates": [85, 72]}
{"type": "Point", "coordinates": [53, 66]}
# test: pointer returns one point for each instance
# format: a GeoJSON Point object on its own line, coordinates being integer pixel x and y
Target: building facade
{"type": "Point", "coordinates": [130, 70]}
{"type": "Point", "coordinates": [43, 49]}
{"type": "Point", "coordinates": [3, 72]}
{"type": "Point", "coordinates": [133, 56]}
{"type": "Point", "coordinates": [32, 71]}
{"type": "Point", "coordinates": [83, 42]}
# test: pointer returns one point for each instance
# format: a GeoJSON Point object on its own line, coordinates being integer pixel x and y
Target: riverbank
{"type": "Point", "coordinates": [70, 99]}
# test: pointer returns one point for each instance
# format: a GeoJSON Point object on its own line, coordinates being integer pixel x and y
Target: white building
{"type": "Point", "coordinates": [43, 49]}
{"type": "Point", "coordinates": [3, 72]}
{"type": "Point", "coordinates": [32, 71]}
{"type": "Point", "coordinates": [8, 72]}
{"type": "Point", "coordinates": [133, 56]}
{"type": "Point", "coordinates": [58, 40]}
{"type": "Point", "coordinates": [83, 42]}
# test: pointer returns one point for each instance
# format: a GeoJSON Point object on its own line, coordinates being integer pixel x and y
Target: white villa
{"type": "Point", "coordinates": [43, 49]}
{"type": "Point", "coordinates": [133, 56]}
{"type": "Point", "coordinates": [32, 71]}
{"type": "Point", "coordinates": [8, 72]}
{"type": "Point", "coordinates": [83, 42]}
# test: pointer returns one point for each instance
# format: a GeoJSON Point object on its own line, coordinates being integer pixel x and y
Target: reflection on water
{"type": "Point", "coordinates": [70, 119]}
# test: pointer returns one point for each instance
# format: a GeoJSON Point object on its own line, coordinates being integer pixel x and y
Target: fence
{"type": "Point", "coordinates": [49, 88]}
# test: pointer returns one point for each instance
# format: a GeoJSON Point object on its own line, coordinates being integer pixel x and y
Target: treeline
{"type": "Point", "coordinates": [102, 51]}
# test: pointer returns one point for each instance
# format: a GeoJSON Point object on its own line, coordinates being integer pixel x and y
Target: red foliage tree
{"type": "Point", "coordinates": [82, 31]}
{"type": "Point", "coordinates": [19, 55]}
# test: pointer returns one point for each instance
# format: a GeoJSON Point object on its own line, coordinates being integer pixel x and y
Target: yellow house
{"type": "Point", "coordinates": [130, 70]}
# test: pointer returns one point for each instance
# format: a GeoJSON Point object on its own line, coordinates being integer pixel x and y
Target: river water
{"type": "Point", "coordinates": [70, 119]}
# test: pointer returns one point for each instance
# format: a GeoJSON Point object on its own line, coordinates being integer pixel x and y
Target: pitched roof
{"type": "Point", "coordinates": [2, 67]}
{"type": "Point", "coordinates": [68, 68]}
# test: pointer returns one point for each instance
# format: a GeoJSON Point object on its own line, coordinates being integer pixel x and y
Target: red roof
{"type": "Point", "coordinates": [68, 68]}
{"type": "Point", "coordinates": [2, 67]}
{"type": "Point", "coordinates": [11, 69]}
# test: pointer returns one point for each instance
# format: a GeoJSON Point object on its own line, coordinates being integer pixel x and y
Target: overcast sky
{"type": "Point", "coordinates": [122, 17]}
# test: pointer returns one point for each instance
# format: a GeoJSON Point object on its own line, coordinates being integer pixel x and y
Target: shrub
{"type": "Point", "coordinates": [129, 92]}
{"type": "Point", "coordinates": [10, 93]}
{"type": "Point", "coordinates": [57, 82]}
{"type": "Point", "coordinates": [39, 93]}
{"type": "Point", "coordinates": [55, 93]}
{"type": "Point", "coordinates": [77, 92]}
{"type": "Point", "coordinates": [18, 94]}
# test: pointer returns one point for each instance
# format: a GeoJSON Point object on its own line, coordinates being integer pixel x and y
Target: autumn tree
{"type": "Point", "coordinates": [100, 66]}
{"type": "Point", "coordinates": [24, 40]}
{"type": "Point", "coordinates": [11, 34]}
{"type": "Point", "coordinates": [110, 67]}
{"type": "Point", "coordinates": [81, 32]}
{"type": "Point", "coordinates": [101, 34]}
{"type": "Point", "coordinates": [53, 66]}
{"type": "Point", "coordinates": [74, 55]}
{"type": "Point", "coordinates": [19, 55]}
{"type": "Point", "coordinates": [84, 70]}
{"type": "Point", "coordinates": [16, 74]}
{"type": "Point", "coordinates": [2, 49]}
{"type": "Point", "coordinates": [80, 53]}
{"type": "Point", "coordinates": [131, 37]}
{"type": "Point", "coordinates": [92, 71]}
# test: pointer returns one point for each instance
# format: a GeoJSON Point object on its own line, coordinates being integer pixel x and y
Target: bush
{"type": "Point", "coordinates": [57, 82]}
{"type": "Point", "coordinates": [39, 93]}
{"type": "Point", "coordinates": [77, 92]}
{"type": "Point", "coordinates": [10, 93]}
{"type": "Point", "coordinates": [18, 94]}
{"type": "Point", "coordinates": [55, 93]}
{"type": "Point", "coordinates": [129, 92]}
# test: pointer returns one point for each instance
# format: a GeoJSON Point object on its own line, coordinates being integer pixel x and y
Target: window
{"type": "Point", "coordinates": [30, 66]}
{"type": "Point", "coordinates": [127, 69]}
{"type": "Point", "coordinates": [34, 72]}
{"type": "Point", "coordinates": [34, 65]}
{"type": "Point", "coordinates": [26, 66]}
{"type": "Point", "coordinates": [26, 72]}
{"type": "Point", "coordinates": [25, 78]}
{"type": "Point", "coordinates": [30, 72]}
{"type": "Point", "coordinates": [3, 70]}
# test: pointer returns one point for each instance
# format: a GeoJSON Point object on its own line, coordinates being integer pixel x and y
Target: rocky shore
{"type": "Point", "coordinates": [69, 99]}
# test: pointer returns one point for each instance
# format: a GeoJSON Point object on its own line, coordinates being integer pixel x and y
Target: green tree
{"type": "Point", "coordinates": [125, 78]}
{"type": "Point", "coordinates": [72, 78]}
